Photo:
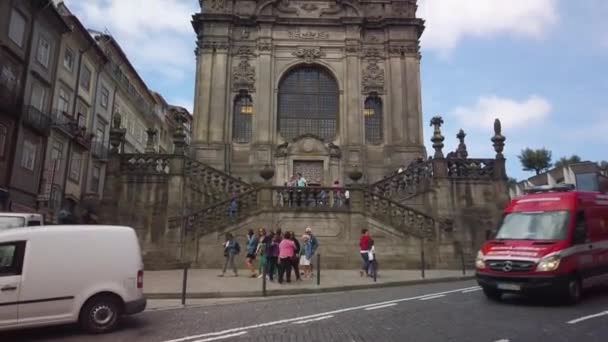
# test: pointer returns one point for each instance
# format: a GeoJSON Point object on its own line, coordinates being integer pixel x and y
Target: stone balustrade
{"type": "Point", "coordinates": [145, 164]}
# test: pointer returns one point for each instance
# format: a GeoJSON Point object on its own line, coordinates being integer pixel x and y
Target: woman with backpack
{"type": "Point", "coordinates": [231, 249]}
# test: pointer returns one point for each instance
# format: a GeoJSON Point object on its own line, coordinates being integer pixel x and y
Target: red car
{"type": "Point", "coordinates": [552, 240]}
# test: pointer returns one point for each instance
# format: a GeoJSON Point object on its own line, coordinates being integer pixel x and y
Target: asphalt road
{"type": "Point", "coordinates": [439, 312]}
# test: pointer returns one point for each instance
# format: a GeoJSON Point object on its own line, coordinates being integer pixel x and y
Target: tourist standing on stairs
{"type": "Point", "coordinates": [287, 250]}
{"type": "Point", "coordinates": [231, 249]}
{"type": "Point", "coordinates": [252, 245]}
{"type": "Point", "coordinates": [233, 206]}
{"type": "Point", "coordinates": [364, 246]}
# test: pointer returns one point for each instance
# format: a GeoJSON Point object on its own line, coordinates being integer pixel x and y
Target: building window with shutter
{"type": "Point", "coordinates": [243, 113]}
{"type": "Point", "coordinates": [44, 52]}
{"type": "Point", "coordinates": [16, 30]}
{"type": "Point", "coordinates": [75, 167]}
{"type": "Point", "coordinates": [372, 112]}
{"type": "Point", "coordinates": [85, 78]}
{"type": "Point", "coordinates": [63, 101]}
{"type": "Point", "coordinates": [95, 178]}
{"type": "Point", "coordinates": [105, 95]}
{"type": "Point", "coordinates": [28, 159]}
{"type": "Point", "coordinates": [68, 59]}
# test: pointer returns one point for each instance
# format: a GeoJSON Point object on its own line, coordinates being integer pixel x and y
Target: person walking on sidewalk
{"type": "Point", "coordinates": [295, 261]}
{"type": "Point", "coordinates": [261, 250]}
{"type": "Point", "coordinates": [287, 250]}
{"type": "Point", "coordinates": [272, 255]}
{"type": "Point", "coordinates": [364, 250]}
{"type": "Point", "coordinates": [252, 245]}
{"type": "Point", "coordinates": [314, 244]}
{"type": "Point", "coordinates": [372, 260]}
{"type": "Point", "coordinates": [306, 256]}
{"type": "Point", "coordinates": [231, 249]}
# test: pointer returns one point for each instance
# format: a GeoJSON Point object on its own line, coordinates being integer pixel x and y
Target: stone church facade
{"type": "Point", "coordinates": [317, 87]}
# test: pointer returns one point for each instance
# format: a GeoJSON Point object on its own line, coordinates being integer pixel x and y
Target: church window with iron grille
{"type": "Point", "coordinates": [372, 112]}
{"type": "Point", "coordinates": [243, 114]}
{"type": "Point", "coordinates": [308, 103]}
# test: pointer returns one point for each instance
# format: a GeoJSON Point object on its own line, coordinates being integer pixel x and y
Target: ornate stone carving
{"type": "Point", "coordinates": [461, 151]}
{"type": "Point", "coordinates": [402, 50]}
{"type": "Point", "coordinates": [373, 53]}
{"type": "Point", "coordinates": [213, 5]}
{"type": "Point", "coordinates": [211, 45]}
{"type": "Point", "coordinates": [352, 49]}
{"type": "Point", "coordinates": [309, 7]}
{"type": "Point", "coordinates": [498, 139]}
{"type": "Point", "coordinates": [309, 55]}
{"type": "Point", "coordinates": [297, 34]}
{"type": "Point", "coordinates": [243, 51]}
{"type": "Point", "coordinates": [405, 8]}
{"type": "Point", "coordinates": [243, 77]}
{"type": "Point", "coordinates": [333, 9]}
{"type": "Point", "coordinates": [281, 150]}
{"type": "Point", "coordinates": [283, 7]}
{"type": "Point", "coordinates": [373, 78]}
{"type": "Point", "coordinates": [437, 138]}
{"type": "Point", "coordinates": [264, 46]}
{"type": "Point", "coordinates": [334, 150]}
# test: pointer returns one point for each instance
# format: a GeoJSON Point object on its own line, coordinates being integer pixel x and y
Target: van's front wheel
{"type": "Point", "coordinates": [100, 314]}
{"type": "Point", "coordinates": [574, 290]}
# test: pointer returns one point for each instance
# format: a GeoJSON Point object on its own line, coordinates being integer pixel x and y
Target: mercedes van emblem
{"type": "Point", "coordinates": [508, 266]}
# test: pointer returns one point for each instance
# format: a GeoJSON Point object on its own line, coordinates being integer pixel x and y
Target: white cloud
{"type": "Point", "coordinates": [512, 113]}
{"type": "Point", "coordinates": [155, 34]}
{"type": "Point", "coordinates": [450, 21]}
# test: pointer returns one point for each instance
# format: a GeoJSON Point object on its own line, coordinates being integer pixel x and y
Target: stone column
{"type": "Point", "coordinates": [219, 88]}
{"type": "Point", "coordinates": [396, 98]}
{"type": "Point", "coordinates": [263, 119]}
{"type": "Point", "coordinates": [202, 96]}
{"type": "Point", "coordinates": [413, 124]}
{"type": "Point", "coordinates": [353, 118]}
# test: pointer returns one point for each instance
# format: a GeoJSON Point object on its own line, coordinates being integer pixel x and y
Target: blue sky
{"type": "Point", "coordinates": [539, 65]}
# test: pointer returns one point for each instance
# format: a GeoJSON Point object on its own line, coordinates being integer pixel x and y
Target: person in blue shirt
{"type": "Point", "coordinates": [252, 245]}
{"type": "Point", "coordinates": [231, 249]}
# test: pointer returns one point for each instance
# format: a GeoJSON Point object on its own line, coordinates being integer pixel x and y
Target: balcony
{"type": "Point", "coordinates": [37, 120]}
{"type": "Point", "coordinates": [64, 122]}
{"type": "Point", "coordinates": [8, 99]}
{"type": "Point", "coordinates": [82, 138]}
{"type": "Point", "coordinates": [99, 150]}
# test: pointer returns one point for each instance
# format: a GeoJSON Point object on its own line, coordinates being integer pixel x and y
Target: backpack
{"type": "Point", "coordinates": [237, 248]}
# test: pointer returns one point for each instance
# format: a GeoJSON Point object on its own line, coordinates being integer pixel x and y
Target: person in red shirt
{"type": "Point", "coordinates": [364, 250]}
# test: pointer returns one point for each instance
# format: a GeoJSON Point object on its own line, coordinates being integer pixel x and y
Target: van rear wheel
{"type": "Point", "coordinates": [100, 314]}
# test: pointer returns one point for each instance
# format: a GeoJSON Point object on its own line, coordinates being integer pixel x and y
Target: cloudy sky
{"type": "Point", "coordinates": [538, 65]}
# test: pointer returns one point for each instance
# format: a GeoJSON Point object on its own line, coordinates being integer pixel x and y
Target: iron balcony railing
{"type": "Point", "coordinates": [68, 124]}
{"type": "Point", "coordinates": [36, 119]}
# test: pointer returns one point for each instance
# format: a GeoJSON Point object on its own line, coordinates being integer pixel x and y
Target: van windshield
{"type": "Point", "coordinates": [7, 222]}
{"type": "Point", "coordinates": [537, 225]}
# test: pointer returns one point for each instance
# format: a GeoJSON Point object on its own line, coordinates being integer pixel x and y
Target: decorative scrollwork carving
{"type": "Point", "coordinates": [308, 35]}
{"type": "Point", "coordinates": [373, 78]}
{"type": "Point", "coordinates": [243, 77]}
{"type": "Point", "coordinates": [309, 55]}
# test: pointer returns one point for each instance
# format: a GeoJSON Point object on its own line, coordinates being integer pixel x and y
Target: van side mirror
{"type": "Point", "coordinates": [579, 237]}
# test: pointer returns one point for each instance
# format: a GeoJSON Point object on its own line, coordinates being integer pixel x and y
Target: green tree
{"type": "Point", "coordinates": [535, 160]}
{"type": "Point", "coordinates": [565, 161]}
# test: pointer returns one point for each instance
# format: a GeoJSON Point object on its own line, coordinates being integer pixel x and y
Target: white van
{"type": "Point", "coordinates": [64, 274]}
{"type": "Point", "coordinates": [17, 220]}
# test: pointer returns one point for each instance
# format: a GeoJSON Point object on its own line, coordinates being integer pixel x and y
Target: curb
{"type": "Point", "coordinates": [283, 292]}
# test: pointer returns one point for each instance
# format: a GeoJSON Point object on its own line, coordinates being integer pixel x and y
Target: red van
{"type": "Point", "coordinates": [552, 240]}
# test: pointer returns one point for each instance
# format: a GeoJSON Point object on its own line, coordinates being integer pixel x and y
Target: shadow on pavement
{"type": "Point", "coordinates": [72, 332]}
{"type": "Point", "coordinates": [589, 296]}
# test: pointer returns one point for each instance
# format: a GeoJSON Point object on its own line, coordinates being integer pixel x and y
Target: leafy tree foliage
{"type": "Point", "coordinates": [535, 160]}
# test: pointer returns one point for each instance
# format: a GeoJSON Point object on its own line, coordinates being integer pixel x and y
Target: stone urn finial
{"type": "Point", "coordinates": [267, 172]}
{"type": "Point", "coordinates": [461, 152]}
{"type": "Point", "coordinates": [437, 138]}
{"type": "Point", "coordinates": [151, 132]}
{"type": "Point", "coordinates": [498, 140]}
{"type": "Point", "coordinates": [117, 120]}
{"type": "Point", "coordinates": [117, 134]}
{"type": "Point", "coordinates": [355, 174]}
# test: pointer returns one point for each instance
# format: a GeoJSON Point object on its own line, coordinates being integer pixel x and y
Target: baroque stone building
{"type": "Point", "coordinates": [308, 86]}
{"type": "Point", "coordinates": [330, 89]}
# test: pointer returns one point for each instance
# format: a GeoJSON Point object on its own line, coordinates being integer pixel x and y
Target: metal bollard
{"type": "Point", "coordinates": [464, 270]}
{"type": "Point", "coordinates": [375, 270]}
{"type": "Point", "coordinates": [422, 266]}
{"type": "Point", "coordinates": [318, 269]}
{"type": "Point", "coordinates": [264, 279]}
{"type": "Point", "coordinates": [185, 284]}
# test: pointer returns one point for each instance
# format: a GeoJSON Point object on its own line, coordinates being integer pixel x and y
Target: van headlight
{"type": "Point", "coordinates": [479, 262]}
{"type": "Point", "coordinates": [549, 264]}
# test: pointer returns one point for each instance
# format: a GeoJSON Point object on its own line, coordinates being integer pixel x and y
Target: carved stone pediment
{"type": "Point", "coordinates": [243, 77]}
{"type": "Point", "coordinates": [308, 54]}
{"type": "Point", "coordinates": [310, 9]}
{"type": "Point", "coordinates": [373, 78]}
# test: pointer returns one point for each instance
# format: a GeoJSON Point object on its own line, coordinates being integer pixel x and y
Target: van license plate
{"type": "Point", "coordinates": [509, 287]}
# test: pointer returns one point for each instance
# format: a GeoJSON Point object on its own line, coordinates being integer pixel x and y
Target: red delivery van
{"type": "Point", "coordinates": [552, 240]}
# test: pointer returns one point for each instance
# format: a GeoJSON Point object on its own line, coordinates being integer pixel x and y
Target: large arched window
{"type": "Point", "coordinates": [372, 111]}
{"type": "Point", "coordinates": [243, 112]}
{"type": "Point", "coordinates": [308, 103]}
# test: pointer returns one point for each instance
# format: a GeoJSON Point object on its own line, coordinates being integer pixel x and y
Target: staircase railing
{"type": "Point", "coordinates": [405, 183]}
{"type": "Point", "coordinates": [213, 182]}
